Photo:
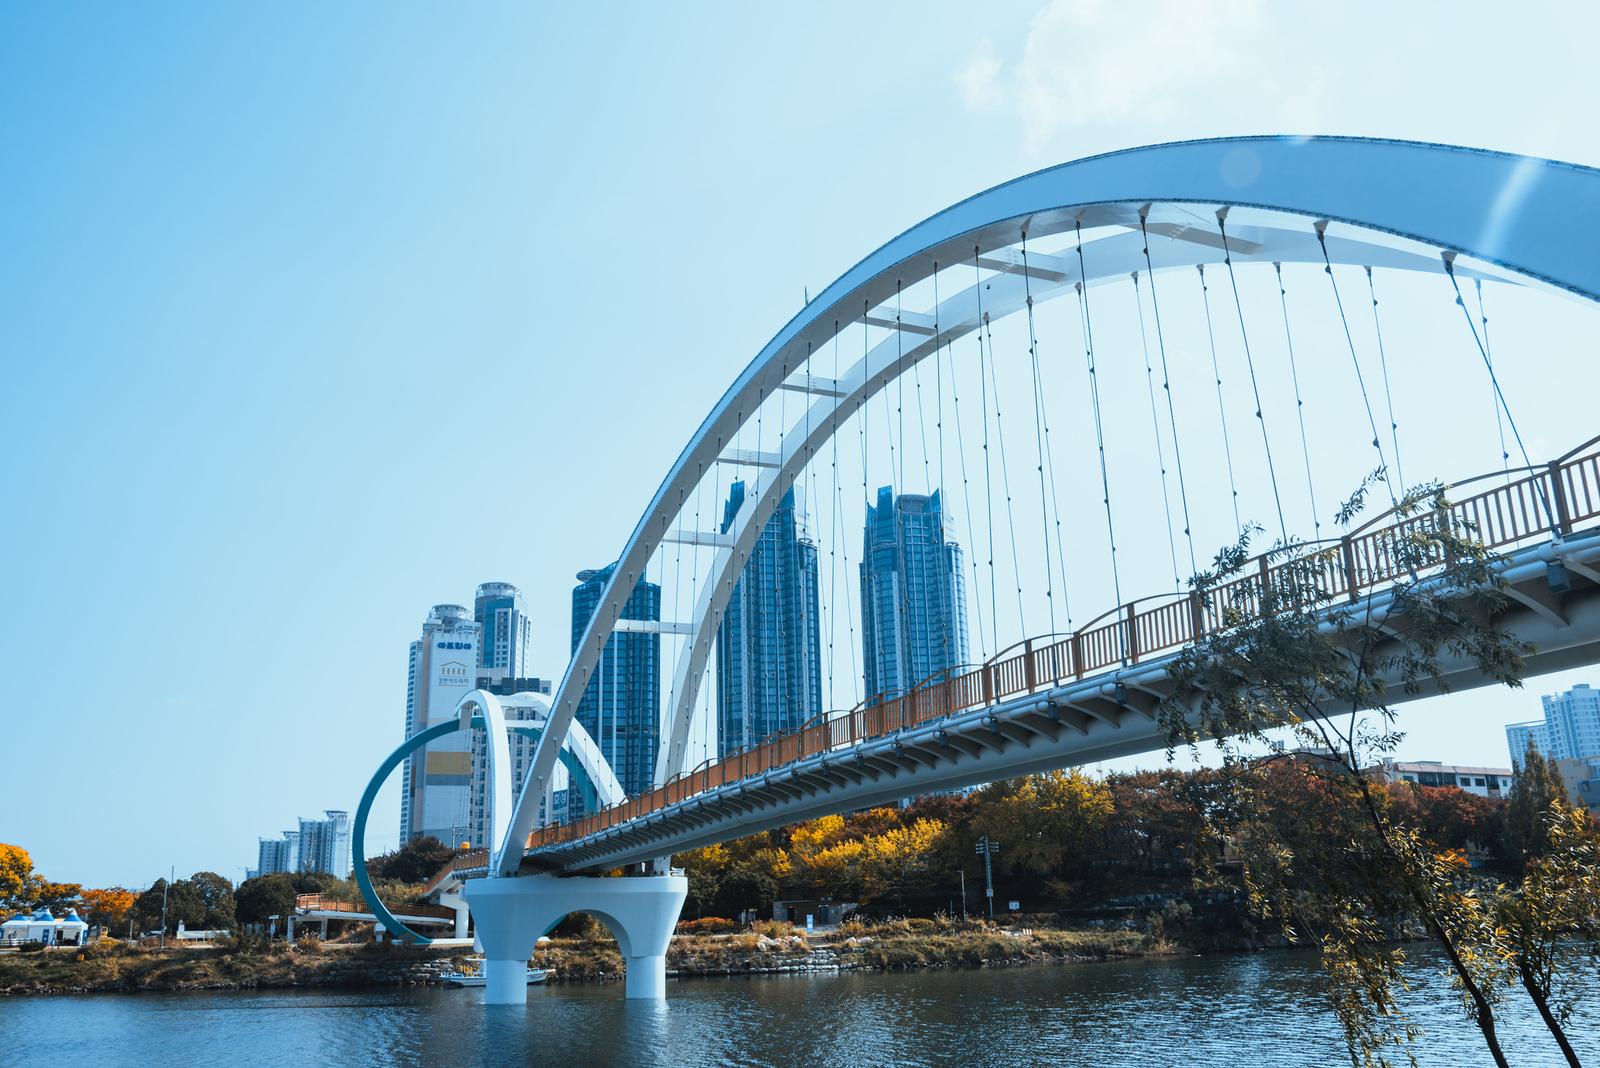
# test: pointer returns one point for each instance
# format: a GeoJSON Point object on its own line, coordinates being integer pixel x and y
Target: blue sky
{"type": "Point", "coordinates": [311, 318]}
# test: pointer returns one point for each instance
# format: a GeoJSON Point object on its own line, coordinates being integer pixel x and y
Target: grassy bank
{"type": "Point", "coordinates": [588, 956]}
{"type": "Point", "coordinates": [117, 967]}
{"type": "Point", "coordinates": [891, 945]}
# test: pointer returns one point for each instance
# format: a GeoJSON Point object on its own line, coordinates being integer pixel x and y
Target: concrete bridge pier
{"type": "Point", "coordinates": [511, 914]}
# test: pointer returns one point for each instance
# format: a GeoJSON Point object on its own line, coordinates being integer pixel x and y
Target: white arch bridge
{"type": "Point", "coordinates": [1149, 223]}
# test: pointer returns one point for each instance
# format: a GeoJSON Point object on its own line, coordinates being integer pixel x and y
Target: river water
{"type": "Point", "coordinates": [1253, 1010]}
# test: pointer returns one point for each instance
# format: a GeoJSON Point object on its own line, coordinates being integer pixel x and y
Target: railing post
{"type": "Point", "coordinates": [1197, 616]}
{"type": "Point", "coordinates": [1265, 574]}
{"type": "Point", "coordinates": [1077, 653]}
{"type": "Point", "coordinates": [1347, 554]}
{"type": "Point", "coordinates": [1027, 665]}
{"type": "Point", "coordinates": [1132, 646]}
{"type": "Point", "coordinates": [988, 683]}
{"type": "Point", "coordinates": [1558, 491]}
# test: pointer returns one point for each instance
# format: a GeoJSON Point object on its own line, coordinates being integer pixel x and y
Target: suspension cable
{"type": "Point", "coordinates": [938, 423]}
{"type": "Point", "coordinates": [988, 475]}
{"type": "Point", "coordinates": [900, 392]}
{"type": "Point", "coordinates": [1366, 401]}
{"type": "Point", "coordinates": [1250, 364]}
{"type": "Point", "coordinates": [1511, 420]}
{"type": "Point", "coordinates": [1005, 474]}
{"type": "Point", "coordinates": [1222, 415]}
{"type": "Point", "coordinates": [1166, 387]}
{"type": "Point", "coordinates": [1155, 426]}
{"type": "Point", "coordinates": [1038, 437]}
{"type": "Point", "coordinates": [1094, 395]}
{"type": "Point", "coordinates": [833, 532]}
{"type": "Point", "coordinates": [1499, 420]}
{"type": "Point", "coordinates": [1388, 397]}
{"type": "Point", "coordinates": [1299, 404]}
{"type": "Point", "coordinates": [966, 494]}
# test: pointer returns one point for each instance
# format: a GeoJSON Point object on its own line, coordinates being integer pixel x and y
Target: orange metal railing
{"type": "Point", "coordinates": [1533, 502]}
{"type": "Point", "coordinates": [323, 903]}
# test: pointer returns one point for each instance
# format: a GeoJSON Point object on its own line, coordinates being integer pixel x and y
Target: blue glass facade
{"type": "Point", "coordinates": [769, 643]}
{"type": "Point", "coordinates": [913, 599]}
{"type": "Point", "coordinates": [621, 709]}
{"type": "Point", "coordinates": [506, 632]}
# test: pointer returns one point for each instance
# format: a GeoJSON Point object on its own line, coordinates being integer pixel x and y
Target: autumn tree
{"type": "Point", "coordinates": [57, 897]}
{"type": "Point", "coordinates": [1534, 788]}
{"type": "Point", "coordinates": [108, 907]}
{"type": "Point", "coordinates": [1551, 916]}
{"type": "Point", "coordinates": [17, 880]}
{"type": "Point", "coordinates": [897, 861]}
{"type": "Point", "coordinates": [1043, 821]}
{"type": "Point", "coordinates": [1317, 666]}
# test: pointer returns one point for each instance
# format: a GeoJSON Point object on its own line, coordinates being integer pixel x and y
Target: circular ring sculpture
{"type": "Point", "coordinates": [1519, 218]}
{"type": "Point", "coordinates": [479, 710]}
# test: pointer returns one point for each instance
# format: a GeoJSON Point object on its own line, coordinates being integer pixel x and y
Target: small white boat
{"type": "Point", "coordinates": [474, 975]}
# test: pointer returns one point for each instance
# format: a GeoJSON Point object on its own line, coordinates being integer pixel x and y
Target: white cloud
{"type": "Point", "coordinates": [1090, 62]}
{"type": "Point", "coordinates": [980, 78]}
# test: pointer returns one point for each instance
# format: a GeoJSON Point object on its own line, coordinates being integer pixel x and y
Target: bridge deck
{"type": "Point", "coordinates": [1090, 695]}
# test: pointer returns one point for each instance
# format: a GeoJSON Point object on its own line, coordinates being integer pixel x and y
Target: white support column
{"type": "Point", "coordinates": [512, 913]}
{"type": "Point", "coordinates": [462, 916]}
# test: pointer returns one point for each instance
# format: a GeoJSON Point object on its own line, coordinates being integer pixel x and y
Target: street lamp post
{"type": "Point", "coordinates": [986, 849]}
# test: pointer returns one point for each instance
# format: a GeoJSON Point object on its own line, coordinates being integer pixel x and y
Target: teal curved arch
{"type": "Point", "coordinates": [358, 832]}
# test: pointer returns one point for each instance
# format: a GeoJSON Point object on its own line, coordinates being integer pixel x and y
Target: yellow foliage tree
{"type": "Point", "coordinates": [896, 861]}
{"type": "Point", "coordinates": [109, 907]}
{"type": "Point", "coordinates": [814, 836]}
{"type": "Point", "coordinates": [1045, 820]}
{"type": "Point", "coordinates": [17, 881]}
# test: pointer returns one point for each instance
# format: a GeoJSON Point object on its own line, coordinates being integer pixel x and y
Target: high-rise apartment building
{"type": "Point", "coordinates": [505, 634]}
{"type": "Point", "coordinates": [325, 843]}
{"type": "Point", "coordinates": [621, 708]}
{"type": "Point", "coordinates": [769, 643]}
{"type": "Point", "coordinates": [275, 855]}
{"type": "Point", "coordinates": [436, 796]}
{"type": "Point", "coordinates": [1570, 729]}
{"type": "Point", "coordinates": [319, 845]}
{"type": "Point", "coordinates": [913, 599]}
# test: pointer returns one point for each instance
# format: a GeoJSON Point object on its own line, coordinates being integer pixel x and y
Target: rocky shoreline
{"type": "Point", "coordinates": [896, 947]}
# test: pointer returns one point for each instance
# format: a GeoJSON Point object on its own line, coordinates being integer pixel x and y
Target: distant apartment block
{"type": "Point", "coordinates": [1570, 729]}
{"type": "Point", "coordinates": [319, 845]}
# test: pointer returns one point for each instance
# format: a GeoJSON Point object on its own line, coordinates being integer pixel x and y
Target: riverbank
{"type": "Point", "coordinates": [897, 945]}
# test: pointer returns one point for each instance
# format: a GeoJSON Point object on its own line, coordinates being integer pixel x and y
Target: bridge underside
{"type": "Point", "coordinates": [1080, 722]}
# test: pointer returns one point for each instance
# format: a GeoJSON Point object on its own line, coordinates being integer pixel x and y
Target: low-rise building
{"type": "Point", "coordinates": [42, 926]}
{"type": "Point", "coordinates": [1485, 782]}
{"type": "Point", "coordinates": [1582, 780]}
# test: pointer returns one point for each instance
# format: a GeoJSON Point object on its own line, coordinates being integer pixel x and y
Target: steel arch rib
{"type": "Point", "coordinates": [1531, 217]}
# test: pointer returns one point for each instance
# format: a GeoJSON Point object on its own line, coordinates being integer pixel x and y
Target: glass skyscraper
{"type": "Point", "coordinates": [913, 599]}
{"type": "Point", "coordinates": [769, 643]}
{"type": "Point", "coordinates": [505, 633]}
{"type": "Point", "coordinates": [621, 709]}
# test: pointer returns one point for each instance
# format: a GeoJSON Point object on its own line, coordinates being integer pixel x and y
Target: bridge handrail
{"type": "Point", "coordinates": [1564, 491]}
